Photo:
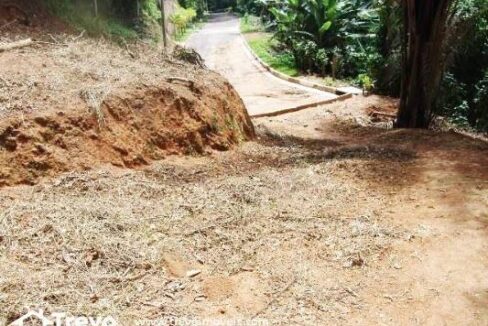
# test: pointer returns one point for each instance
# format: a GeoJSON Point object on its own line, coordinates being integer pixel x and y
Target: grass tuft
{"type": "Point", "coordinates": [251, 24]}
{"type": "Point", "coordinates": [263, 46]}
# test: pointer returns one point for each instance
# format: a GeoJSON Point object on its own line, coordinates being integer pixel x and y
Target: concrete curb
{"type": "Point", "coordinates": [305, 83]}
{"type": "Point", "coordinates": [303, 106]}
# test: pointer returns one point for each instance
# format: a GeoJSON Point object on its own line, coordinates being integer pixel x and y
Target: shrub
{"type": "Point", "coordinates": [251, 24]}
{"type": "Point", "coordinates": [182, 17]}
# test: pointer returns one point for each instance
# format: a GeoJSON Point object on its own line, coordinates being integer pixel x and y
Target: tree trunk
{"type": "Point", "coordinates": [422, 60]}
{"type": "Point", "coordinates": [163, 25]}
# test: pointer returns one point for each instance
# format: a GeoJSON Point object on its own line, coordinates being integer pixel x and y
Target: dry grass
{"type": "Point", "coordinates": [294, 229]}
{"type": "Point", "coordinates": [94, 243]}
{"type": "Point", "coordinates": [60, 73]}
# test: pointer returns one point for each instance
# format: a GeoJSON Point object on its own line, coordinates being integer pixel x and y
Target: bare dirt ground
{"type": "Point", "coordinates": [328, 217]}
{"type": "Point", "coordinates": [221, 45]}
{"type": "Point", "coordinates": [324, 220]}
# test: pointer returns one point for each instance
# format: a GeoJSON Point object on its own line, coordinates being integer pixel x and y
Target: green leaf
{"type": "Point", "coordinates": [325, 27]}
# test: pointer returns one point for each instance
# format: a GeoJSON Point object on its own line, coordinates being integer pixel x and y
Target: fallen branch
{"type": "Point", "coordinates": [51, 43]}
{"type": "Point", "coordinates": [8, 24]}
{"type": "Point", "coordinates": [15, 45]}
{"type": "Point", "coordinates": [79, 36]}
{"type": "Point", "coordinates": [132, 55]}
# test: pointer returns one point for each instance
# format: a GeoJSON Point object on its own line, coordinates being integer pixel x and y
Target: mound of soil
{"type": "Point", "coordinates": [74, 103]}
{"type": "Point", "coordinates": [131, 128]}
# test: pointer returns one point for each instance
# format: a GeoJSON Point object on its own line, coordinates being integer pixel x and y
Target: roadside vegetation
{"type": "Point", "coordinates": [267, 48]}
{"type": "Point", "coordinates": [182, 19]}
{"type": "Point", "coordinates": [186, 22]}
{"type": "Point", "coordinates": [363, 41]}
{"type": "Point", "coordinates": [124, 19]}
{"type": "Point", "coordinates": [128, 20]}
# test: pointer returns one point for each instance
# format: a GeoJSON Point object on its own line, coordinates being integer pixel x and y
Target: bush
{"type": "Point", "coordinates": [481, 103]}
{"type": "Point", "coordinates": [181, 18]}
{"type": "Point", "coordinates": [329, 37]}
{"type": "Point", "coordinates": [251, 24]}
{"type": "Point", "coordinates": [463, 95]}
{"type": "Point", "coordinates": [116, 19]}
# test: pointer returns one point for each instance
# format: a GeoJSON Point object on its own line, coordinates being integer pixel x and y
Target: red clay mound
{"type": "Point", "coordinates": [130, 129]}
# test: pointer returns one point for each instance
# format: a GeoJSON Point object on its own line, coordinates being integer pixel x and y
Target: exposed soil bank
{"type": "Point", "coordinates": [131, 128]}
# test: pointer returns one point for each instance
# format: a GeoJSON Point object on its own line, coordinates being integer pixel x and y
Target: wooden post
{"type": "Point", "coordinates": [163, 25]}
{"type": "Point", "coordinates": [95, 5]}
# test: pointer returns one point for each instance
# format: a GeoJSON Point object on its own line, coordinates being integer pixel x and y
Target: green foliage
{"type": "Point", "coordinates": [328, 36]}
{"type": "Point", "coordinates": [480, 102]}
{"type": "Point", "coordinates": [365, 81]}
{"type": "Point", "coordinates": [387, 68]}
{"type": "Point", "coordinates": [115, 19]}
{"type": "Point", "coordinates": [182, 18]}
{"type": "Point", "coordinates": [259, 8]}
{"type": "Point", "coordinates": [200, 6]}
{"type": "Point", "coordinates": [220, 5]}
{"type": "Point", "coordinates": [265, 47]}
{"type": "Point", "coordinates": [191, 28]}
{"type": "Point", "coordinates": [251, 24]}
{"type": "Point", "coordinates": [464, 93]}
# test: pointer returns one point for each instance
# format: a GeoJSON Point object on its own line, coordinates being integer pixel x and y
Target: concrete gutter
{"type": "Point", "coordinates": [342, 94]}
{"type": "Point", "coordinates": [306, 83]}
{"type": "Point", "coordinates": [303, 106]}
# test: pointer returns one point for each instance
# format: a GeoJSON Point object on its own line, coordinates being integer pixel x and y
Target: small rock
{"type": "Point", "coordinates": [200, 298]}
{"type": "Point", "coordinates": [193, 272]}
{"type": "Point", "coordinates": [397, 266]}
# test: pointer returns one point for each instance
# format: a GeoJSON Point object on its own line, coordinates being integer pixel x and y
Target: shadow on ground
{"type": "Point", "coordinates": [393, 157]}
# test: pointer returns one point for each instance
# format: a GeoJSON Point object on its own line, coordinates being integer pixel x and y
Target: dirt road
{"type": "Point", "coordinates": [221, 45]}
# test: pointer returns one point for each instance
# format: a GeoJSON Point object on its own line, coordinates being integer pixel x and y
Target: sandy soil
{"type": "Point", "coordinates": [221, 45]}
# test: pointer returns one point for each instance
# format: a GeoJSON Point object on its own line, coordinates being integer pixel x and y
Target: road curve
{"type": "Point", "coordinates": [221, 45]}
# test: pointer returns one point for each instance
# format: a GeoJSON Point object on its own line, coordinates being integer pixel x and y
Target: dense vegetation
{"type": "Point", "coordinates": [114, 18]}
{"type": "Point", "coordinates": [364, 40]}
{"type": "Point", "coordinates": [126, 19]}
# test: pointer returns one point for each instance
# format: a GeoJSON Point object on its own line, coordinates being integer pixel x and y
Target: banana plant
{"type": "Point", "coordinates": [305, 18]}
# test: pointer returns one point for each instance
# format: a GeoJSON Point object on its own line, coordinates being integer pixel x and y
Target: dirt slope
{"type": "Point", "coordinates": [73, 103]}
{"type": "Point", "coordinates": [131, 128]}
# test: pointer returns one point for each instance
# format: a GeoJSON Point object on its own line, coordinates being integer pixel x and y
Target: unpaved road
{"type": "Point", "coordinates": [221, 45]}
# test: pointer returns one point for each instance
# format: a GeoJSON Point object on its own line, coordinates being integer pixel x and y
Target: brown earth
{"type": "Point", "coordinates": [81, 103]}
{"type": "Point", "coordinates": [27, 18]}
{"type": "Point", "coordinates": [326, 219]}
{"type": "Point", "coordinates": [132, 128]}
